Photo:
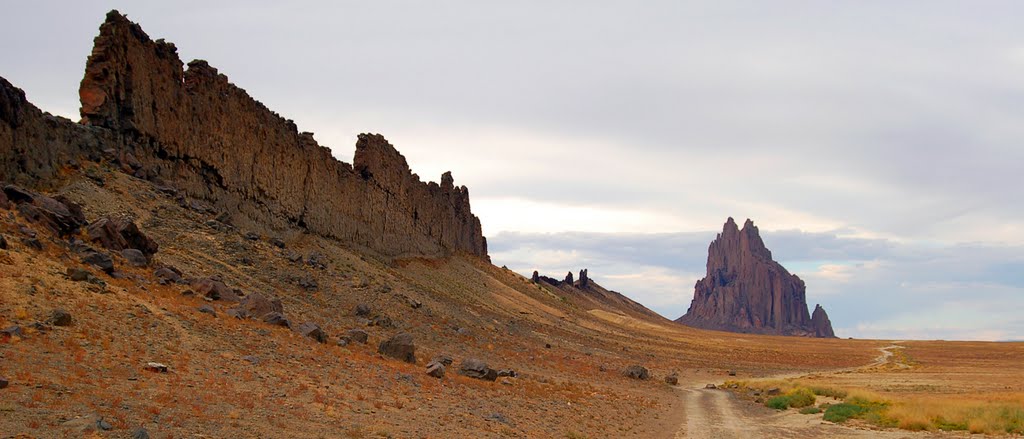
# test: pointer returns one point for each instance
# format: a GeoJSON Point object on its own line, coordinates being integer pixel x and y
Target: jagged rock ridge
{"type": "Point", "coordinates": [193, 129]}
{"type": "Point", "coordinates": [745, 290]}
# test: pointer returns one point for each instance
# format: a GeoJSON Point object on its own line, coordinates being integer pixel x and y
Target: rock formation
{"type": "Point", "coordinates": [194, 130]}
{"type": "Point", "coordinates": [820, 323]}
{"type": "Point", "coordinates": [745, 290]}
{"type": "Point", "coordinates": [568, 279]}
{"type": "Point", "coordinates": [584, 279]}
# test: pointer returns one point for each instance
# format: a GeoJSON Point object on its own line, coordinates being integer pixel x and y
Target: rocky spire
{"type": "Point", "coordinates": [820, 323]}
{"type": "Point", "coordinates": [745, 290]}
{"type": "Point", "coordinates": [568, 278]}
{"type": "Point", "coordinates": [584, 279]}
{"type": "Point", "coordinates": [536, 276]}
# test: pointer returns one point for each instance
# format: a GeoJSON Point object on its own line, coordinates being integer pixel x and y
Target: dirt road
{"type": "Point", "coordinates": [714, 414]}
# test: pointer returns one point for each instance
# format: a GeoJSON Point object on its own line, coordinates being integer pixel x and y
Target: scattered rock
{"type": "Point", "coordinates": [252, 236]}
{"type": "Point", "coordinates": [276, 319]}
{"type": "Point", "coordinates": [99, 260]}
{"type": "Point", "coordinates": [307, 282]}
{"type": "Point", "coordinates": [168, 274]}
{"type": "Point", "coordinates": [12, 331]}
{"type": "Point", "coordinates": [507, 373]}
{"type": "Point", "coordinates": [59, 215]}
{"type": "Point", "coordinates": [251, 359]}
{"type": "Point", "coordinates": [121, 233]}
{"type": "Point", "coordinates": [732, 373]}
{"type": "Point", "coordinates": [710, 386]}
{"type": "Point", "coordinates": [33, 243]}
{"type": "Point", "coordinates": [400, 346]}
{"type": "Point", "coordinates": [547, 345]}
{"type": "Point", "coordinates": [357, 336]}
{"type": "Point", "coordinates": [156, 367]}
{"type": "Point", "coordinates": [276, 242]}
{"type": "Point", "coordinates": [103, 425]}
{"type": "Point", "coordinates": [773, 391]}
{"type": "Point", "coordinates": [4, 383]}
{"type": "Point", "coordinates": [672, 379]}
{"type": "Point", "coordinates": [498, 417]}
{"type": "Point", "coordinates": [382, 321]}
{"type": "Point", "coordinates": [78, 274]}
{"type": "Point", "coordinates": [140, 433]}
{"type": "Point", "coordinates": [3, 243]}
{"type": "Point", "coordinates": [312, 330]}
{"type": "Point", "coordinates": [435, 369]}
{"type": "Point", "coordinates": [134, 257]}
{"type": "Point", "coordinates": [214, 289]}
{"type": "Point", "coordinates": [207, 309]}
{"type": "Point", "coordinates": [444, 359]}
{"type": "Point", "coordinates": [636, 372]}
{"type": "Point", "coordinates": [256, 305]}
{"type": "Point", "coordinates": [362, 309]}
{"type": "Point", "coordinates": [474, 368]}
{"type": "Point", "coordinates": [60, 317]}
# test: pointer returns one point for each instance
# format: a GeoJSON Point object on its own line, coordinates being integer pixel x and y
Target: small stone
{"type": "Point", "coordinates": [547, 345]}
{"type": "Point", "coordinates": [59, 317]}
{"type": "Point", "coordinates": [710, 386]}
{"type": "Point", "coordinates": [103, 425]}
{"type": "Point", "coordinates": [672, 379]}
{"type": "Point", "coordinates": [773, 391]}
{"type": "Point", "coordinates": [156, 367]}
{"type": "Point", "coordinates": [507, 373]}
{"type": "Point", "coordinates": [251, 359]}
{"type": "Point", "coordinates": [140, 433]}
{"type": "Point", "coordinates": [3, 243]}
{"type": "Point", "coordinates": [276, 242]}
{"type": "Point", "coordinates": [4, 383]}
{"type": "Point", "coordinates": [99, 260]}
{"type": "Point", "coordinates": [252, 236]}
{"type": "Point", "coordinates": [33, 243]}
{"type": "Point", "coordinates": [732, 373]}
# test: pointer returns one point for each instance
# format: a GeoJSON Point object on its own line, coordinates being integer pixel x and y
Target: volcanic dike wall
{"type": "Point", "coordinates": [193, 129]}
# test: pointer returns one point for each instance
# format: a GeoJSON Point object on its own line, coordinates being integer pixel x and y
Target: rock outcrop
{"type": "Point", "coordinates": [194, 130]}
{"type": "Point", "coordinates": [745, 290]}
{"type": "Point", "coordinates": [820, 323]}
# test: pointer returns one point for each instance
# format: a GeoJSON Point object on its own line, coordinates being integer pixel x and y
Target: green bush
{"type": "Point", "coordinates": [826, 391]}
{"type": "Point", "coordinates": [844, 411]}
{"type": "Point", "coordinates": [780, 402]}
{"type": "Point", "coordinates": [812, 410]}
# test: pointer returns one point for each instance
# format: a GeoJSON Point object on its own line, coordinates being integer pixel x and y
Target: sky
{"type": "Point", "coordinates": [877, 145]}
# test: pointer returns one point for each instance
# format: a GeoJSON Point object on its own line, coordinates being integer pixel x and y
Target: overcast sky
{"type": "Point", "coordinates": [878, 145]}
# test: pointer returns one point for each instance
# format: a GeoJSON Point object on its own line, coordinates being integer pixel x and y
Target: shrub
{"type": "Point", "coordinates": [842, 412]}
{"type": "Point", "coordinates": [801, 397]}
{"type": "Point", "coordinates": [812, 410]}
{"type": "Point", "coordinates": [780, 402]}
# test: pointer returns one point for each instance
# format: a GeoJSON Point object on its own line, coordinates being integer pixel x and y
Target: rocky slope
{"type": "Point", "coordinates": [745, 290]}
{"type": "Point", "coordinates": [195, 131]}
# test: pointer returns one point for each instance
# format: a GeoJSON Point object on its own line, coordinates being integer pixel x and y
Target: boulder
{"type": "Point", "coordinates": [256, 305]}
{"type": "Point", "coordinates": [400, 346]}
{"type": "Point", "coordinates": [276, 319]}
{"type": "Point", "coordinates": [207, 309]}
{"type": "Point", "coordinates": [168, 274]}
{"type": "Point", "coordinates": [435, 369]}
{"type": "Point", "coordinates": [134, 257]}
{"type": "Point", "coordinates": [672, 379]}
{"type": "Point", "coordinates": [636, 372]}
{"type": "Point", "coordinates": [444, 359]}
{"type": "Point", "coordinates": [474, 368]}
{"type": "Point", "coordinates": [59, 215]}
{"type": "Point", "coordinates": [99, 260]}
{"type": "Point", "coordinates": [362, 309]}
{"type": "Point", "coordinates": [78, 274]}
{"type": "Point", "coordinates": [312, 330]}
{"type": "Point", "coordinates": [59, 317]}
{"type": "Point", "coordinates": [357, 336]}
{"type": "Point", "coordinates": [214, 289]}
{"type": "Point", "coordinates": [119, 234]}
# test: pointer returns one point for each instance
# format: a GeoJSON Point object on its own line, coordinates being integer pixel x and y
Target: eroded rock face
{"type": "Point", "coordinates": [745, 290]}
{"type": "Point", "coordinates": [820, 323]}
{"type": "Point", "coordinates": [213, 141]}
